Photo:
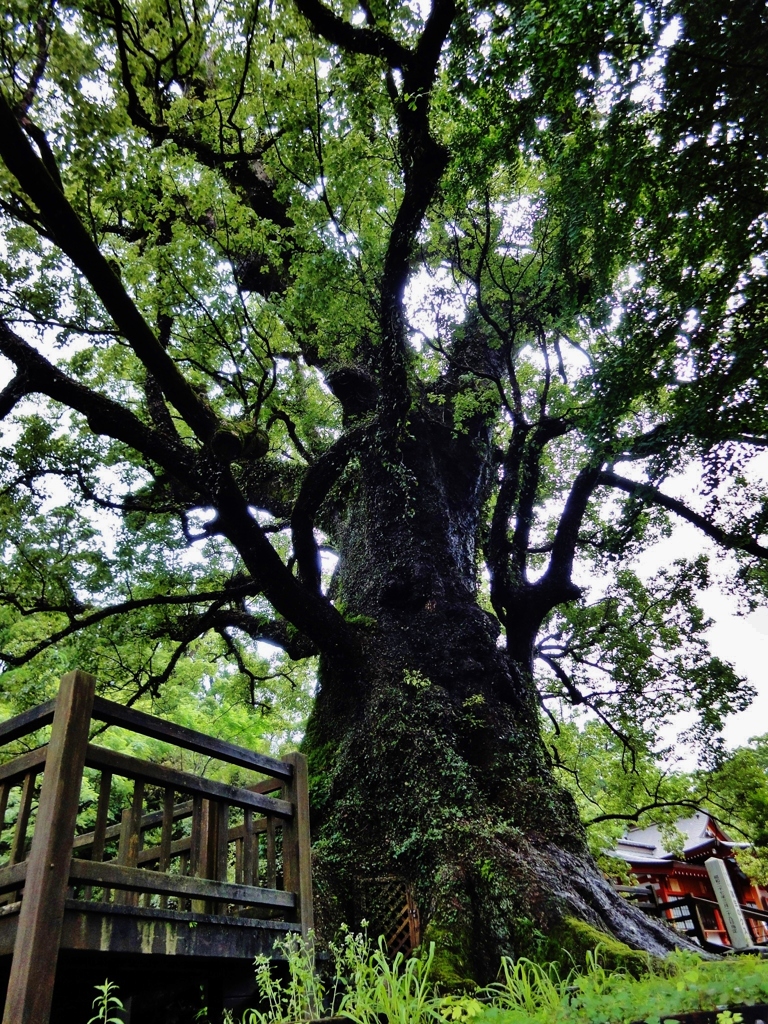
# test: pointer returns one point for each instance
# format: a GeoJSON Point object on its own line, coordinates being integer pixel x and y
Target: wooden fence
{"type": "Point", "coordinates": [698, 919]}
{"type": "Point", "coordinates": [161, 842]}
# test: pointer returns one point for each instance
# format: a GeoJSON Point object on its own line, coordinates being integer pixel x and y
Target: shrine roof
{"type": "Point", "coordinates": [702, 837]}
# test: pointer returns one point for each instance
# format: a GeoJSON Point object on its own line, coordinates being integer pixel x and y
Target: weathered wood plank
{"type": "Point", "coordinates": [19, 841]}
{"type": "Point", "coordinates": [297, 858]}
{"type": "Point", "coordinates": [184, 870]}
{"type": "Point", "coordinates": [130, 837]}
{"type": "Point", "coordinates": [30, 721]}
{"type": "Point", "coordinates": [180, 810]}
{"type": "Point", "coordinates": [239, 861]}
{"type": "Point", "coordinates": [116, 876]}
{"type": "Point", "coordinates": [236, 834]}
{"type": "Point", "coordinates": [102, 813]}
{"type": "Point", "coordinates": [133, 768]}
{"type": "Point", "coordinates": [12, 875]}
{"type": "Point", "coordinates": [250, 849]}
{"type": "Point", "coordinates": [141, 930]}
{"type": "Point", "coordinates": [100, 829]}
{"type": "Point", "coordinates": [4, 791]}
{"type": "Point", "coordinates": [199, 861]}
{"type": "Point", "coordinates": [218, 841]}
{"type": "Point", "coordinates": [33, 970]}
{"type": "Point", "coordinates": [155, 853]}
{"type": "Point", "coordinates": [90, 927]}
{"type": "Point", "coordinates": [196, 836]}
{"type": "Point", "coordinates": [266, 786]}
{"type": "Point", "coordinates": [166, 836]}
{"type": "Point", "coordinates": [271, 878]}
{"type": "Point", "coordinates": [20, 765]}
{"type": "Point", "coordinates": [180, 736]}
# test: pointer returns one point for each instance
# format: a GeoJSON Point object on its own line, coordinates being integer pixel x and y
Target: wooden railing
{"type": "Point", "coordinates": [160, 837]}
{"type": "Point", "coordinates": [689, 914]}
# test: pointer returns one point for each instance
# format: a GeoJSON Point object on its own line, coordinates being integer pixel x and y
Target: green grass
{"type": "Point", "coordinates": [368, 986]}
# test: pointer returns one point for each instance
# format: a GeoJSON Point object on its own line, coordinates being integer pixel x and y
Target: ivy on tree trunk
{"type": "Point", "coordinates": [382, 335]}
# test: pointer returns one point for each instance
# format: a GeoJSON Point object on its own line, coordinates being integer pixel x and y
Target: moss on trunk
{"type": "Point", "coordinates": [425, 755]}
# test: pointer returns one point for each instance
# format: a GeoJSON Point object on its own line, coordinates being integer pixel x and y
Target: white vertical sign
{"type": "Point", "coordinates": [733, 918]}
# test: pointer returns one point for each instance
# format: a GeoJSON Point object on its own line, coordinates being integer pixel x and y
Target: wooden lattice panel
{"type": "Point", "coordinates": [388, 905]}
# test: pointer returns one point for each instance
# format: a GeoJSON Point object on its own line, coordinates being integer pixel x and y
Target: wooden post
{"type": "Point", "coordinates": [297, 863]}
{"type": "Point", "coordinates": [33, 971]}
{"type": "Point", "coordinates": [166, 839]}
{"type": "Point", "coordinates": [198, 847]}
{"type": "Point", "coordinates": [100, 828]}
{"type": "Point", "coordinates": [130, 840]}
{"type": "Point", "coordinates": [218, 847]}
{"type": "Point", "coordinates": [249, 875]}
{"type": "Point", "coordinates": [725, 895]}
{"type": "Point", "coordinates": [270, 877]}
{"type": "Point", "coordinates": [19, 843]}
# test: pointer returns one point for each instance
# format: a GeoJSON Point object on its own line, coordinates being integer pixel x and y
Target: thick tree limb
{"type": "Point", "coordinates": [104, 416]}
{"type": "Point", "coordinates": [311, 613]}
{"type": "Point", "coordinates": [12, 393]}
{"type": "Point", "coordinates": [271, 631]}
{"type": "Point", "coordinates": [317, 482]}
{"type": "Point", "coordinates": [243, 170]}
{"type": "Point", "coordinates": [652, 495]}
{"type": "Point", "coordinates": [557, 578]}
{"type": "Point", "coordinates": [73, 239]}
{"type": "Point", "coordinates": [422, 69]}
{"type": "Point", "coordinates": [355, 39]}
{"type": "Point", "coordinates": [423, 160]}
{"type": "Point", "coordinates": [530, 470]}
{"type": "Point", "coordinates": [258, 627]}
{"type": "Point", "coordinates": [497, 551]}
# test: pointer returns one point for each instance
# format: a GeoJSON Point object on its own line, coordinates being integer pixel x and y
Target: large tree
{"type": "Point", "coordinates": [380, 333]}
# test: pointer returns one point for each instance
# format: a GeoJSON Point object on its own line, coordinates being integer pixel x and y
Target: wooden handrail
{"type": "Point", "coordinates": [118, 876]}
{"type": "Point", "coordinates": [132, 767]}
{"type": "Point", "coordinates": [30, 721]}
{"type": "Point", "coordinates": [180, 736]}
{"type": "Point", "coordinates": [178, 846]}
{"type": "Point", "coordinates": [180, 811]}
{"type": "Point", "coordinates": [23, 763]}
{"type": "Point", "coordinates": [12, 876]}
{"type": "Point", "coordinates": [273, 848]}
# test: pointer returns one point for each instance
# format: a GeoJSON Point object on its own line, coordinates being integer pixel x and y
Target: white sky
{"type": "Point", "coordinates": [741, 640]}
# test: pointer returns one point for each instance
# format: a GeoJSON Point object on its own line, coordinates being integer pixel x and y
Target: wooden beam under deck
{"type": "Point", "coordinates": [110, 928]}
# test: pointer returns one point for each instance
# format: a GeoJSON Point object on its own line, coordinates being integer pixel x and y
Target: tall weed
{"type": "Point", "coordinates": [369, 987]}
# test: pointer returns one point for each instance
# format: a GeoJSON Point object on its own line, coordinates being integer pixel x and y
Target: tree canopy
{"type": "Point", "coordinates": [463, 290]}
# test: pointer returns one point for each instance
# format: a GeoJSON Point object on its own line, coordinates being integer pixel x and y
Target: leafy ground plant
{"type": "Point", "coordinates": [368, 986]}
{"type": "Point", "coordinates": [107, 1004]}
{"type": "Point", "coordinates": [300, 997]}
{"type": "Point", "coordinates": [398, 988]}
{"type": "Point", "coordinates": [528, 993]}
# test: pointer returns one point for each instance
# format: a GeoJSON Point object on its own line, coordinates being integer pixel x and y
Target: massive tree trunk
{"type": "Point", "coordinates": [425, 754]}
{"type": "Point", "coordinates": [425, 747]}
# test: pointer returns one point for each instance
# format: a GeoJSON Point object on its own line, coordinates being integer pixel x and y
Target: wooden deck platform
{"type": "Point", "coordinates": [115, 861]}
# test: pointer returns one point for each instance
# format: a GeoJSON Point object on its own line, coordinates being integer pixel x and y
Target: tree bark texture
{"type": "Point", "coordinates": [425, 754]}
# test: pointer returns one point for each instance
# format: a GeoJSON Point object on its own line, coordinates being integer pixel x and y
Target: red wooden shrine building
{"type": "Point", "coordinates": [673, 877]}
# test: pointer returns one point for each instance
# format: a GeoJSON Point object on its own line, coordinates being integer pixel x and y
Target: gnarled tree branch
{"type": "Point", "coordinates": [652, 495]}
{"type": "Point", "coordinates": [73, 239]}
